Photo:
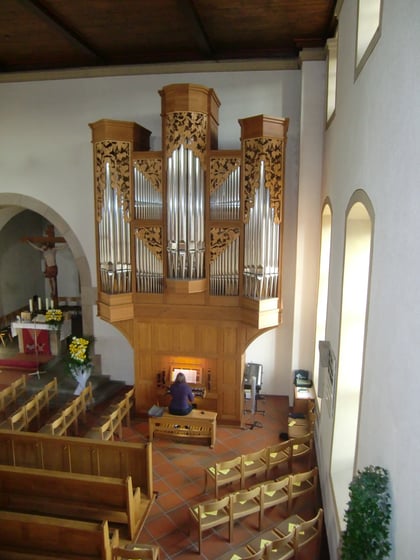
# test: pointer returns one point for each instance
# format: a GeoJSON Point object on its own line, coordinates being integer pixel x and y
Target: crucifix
{"type": "Point", "coordinates": [46, 244]}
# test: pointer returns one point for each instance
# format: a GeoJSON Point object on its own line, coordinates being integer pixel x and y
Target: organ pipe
{"type": "Point", "coordinates": [191, 210]}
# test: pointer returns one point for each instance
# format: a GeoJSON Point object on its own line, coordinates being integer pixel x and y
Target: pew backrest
{"type": "Point", "coordinates": [52, 537]}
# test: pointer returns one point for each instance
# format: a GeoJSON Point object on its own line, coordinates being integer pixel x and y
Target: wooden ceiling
{"type": "Point", "coordinates": [51, 35]}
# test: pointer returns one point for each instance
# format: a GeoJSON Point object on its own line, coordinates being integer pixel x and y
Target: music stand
{"type": "Point", "coordinates": [37, 372]}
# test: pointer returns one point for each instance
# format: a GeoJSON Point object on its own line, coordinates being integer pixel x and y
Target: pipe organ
{"type": "Point", "coordinates": [189, 234]}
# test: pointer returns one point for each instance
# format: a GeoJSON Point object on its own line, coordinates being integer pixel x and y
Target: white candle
{"type": "Point", "coordinates": [46, 303]}
{"type": "Point", "coordinates": [39, 304]}
{"type": "Point", "coordinates": [31, 306]}
{"type": "Point", "coordinates": [51, 304]}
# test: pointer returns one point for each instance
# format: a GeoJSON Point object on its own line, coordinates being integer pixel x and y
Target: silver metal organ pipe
{"type": "Point", "coordinates": [262, 242]}
{"type": "Point", "coordinates": [225, 201]}
{"type": "Point", "coordinates": [185, 219]}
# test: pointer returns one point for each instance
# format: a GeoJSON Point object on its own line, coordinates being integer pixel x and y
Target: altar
{"type": "Point", "coordinates": [38, 337]}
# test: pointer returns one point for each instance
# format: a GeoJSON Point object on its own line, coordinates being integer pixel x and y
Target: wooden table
{"type": "Point", "coordinates": [304, 397]}
{"type": "Point", "coordinates": [198, 424]}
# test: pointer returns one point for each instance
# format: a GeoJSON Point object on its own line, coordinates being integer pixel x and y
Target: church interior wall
{"type": "Point", "coordinates": [371, 144]}
{"type": "Point", "coordinates": [46, 153]}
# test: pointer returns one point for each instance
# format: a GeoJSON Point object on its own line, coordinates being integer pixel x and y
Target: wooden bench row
{"type": "Point", "coordinates": [37, 537]}
{"type": "Point", "coordinates": [9, 395]}
{"type": "Point", "coordinates": [255, 500]}
{"type": "Point", "coordinates": [79, 455]}
{"type": "Point", "coordinates": [78, 496]}
{"type": "Point", "coordinates": [294, 537]}
{"type": "Point", "coordinates": [112, 421]}
{"type": "Point", "coordinates": [68, 416]}
{"type": "Point", "coordinates": [21, 418]}
{"type": "Point", "coordinates": [259, 463]}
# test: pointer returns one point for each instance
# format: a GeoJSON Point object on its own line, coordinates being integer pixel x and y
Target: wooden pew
{"type": "Point", "coordinates": [20, 418]}
{"type": "Point", "coordinates": [38, 537]}
{"type": "Point", "coordinates": [68, 416]}
{"type": "Point", "coordinates": [10, 394]}
{"type": "Point", "coordinates": [79, 455]}
{"type": "Point", "coordinates": [77, 496]}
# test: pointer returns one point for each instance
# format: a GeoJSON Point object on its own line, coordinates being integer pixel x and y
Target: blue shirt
{"type": "Point", "coordinates": [182, 396]}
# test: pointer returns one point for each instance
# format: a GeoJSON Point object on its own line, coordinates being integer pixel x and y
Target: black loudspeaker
{"type": "Point", "coordinates": [209, 380]}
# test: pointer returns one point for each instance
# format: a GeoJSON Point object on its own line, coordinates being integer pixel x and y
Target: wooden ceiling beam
{"type": "Point", "coordinates": [70, 34]}
{"type": "Point", "coordinates": [193, 21]}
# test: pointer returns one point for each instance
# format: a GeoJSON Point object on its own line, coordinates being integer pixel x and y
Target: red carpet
{"type": "Point", "coordinates": [24, 361]}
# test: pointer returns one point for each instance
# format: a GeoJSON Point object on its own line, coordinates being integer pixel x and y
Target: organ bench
{"type": "Point", "coordinates": [198, 424]}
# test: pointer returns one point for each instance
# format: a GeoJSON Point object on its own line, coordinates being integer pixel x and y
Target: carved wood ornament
{"type": "Point", "coordinates": [117, 155]}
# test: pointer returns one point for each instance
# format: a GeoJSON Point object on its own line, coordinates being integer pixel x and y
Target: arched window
{"type": "Point", "coordinates": [324, 268]}
{"type": "Point", "coordinates": [354, 305]}
{"type": "Point", "coordinates": [368, 30]}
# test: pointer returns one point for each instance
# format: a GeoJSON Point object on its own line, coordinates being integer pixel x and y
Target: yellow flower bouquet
{"type": "Point", "coordinates": [54, 317]}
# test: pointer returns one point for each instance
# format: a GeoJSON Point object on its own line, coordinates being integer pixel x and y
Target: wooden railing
{"type": "Point", "coordinates": [79, 455]}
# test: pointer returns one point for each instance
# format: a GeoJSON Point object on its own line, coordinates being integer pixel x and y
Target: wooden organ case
{"type": "Point", "coordinates": [189, 242]}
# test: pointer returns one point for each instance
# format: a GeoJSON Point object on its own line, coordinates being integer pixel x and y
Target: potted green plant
{"type": "Point", "coordinates": [368, 516]}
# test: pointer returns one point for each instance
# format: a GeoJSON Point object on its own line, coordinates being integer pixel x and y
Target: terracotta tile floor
{"type": "Point", "coordinates": [178, 473]}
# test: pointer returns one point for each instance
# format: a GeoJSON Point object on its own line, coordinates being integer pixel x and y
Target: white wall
{"type": "Point", "coordinates": [373, 144]}
{"type": "Point", "coordinates": [46, 153]}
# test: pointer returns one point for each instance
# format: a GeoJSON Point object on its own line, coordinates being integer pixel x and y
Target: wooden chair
{"type": "Point", "coordinates": [243, 553]}
{"type": "Point", "coordinates": [244, 503]}
{"type": "Point", "coordinates": [116, 423]}
{"type": "Point", "coordinates": [6, 335]}
{"type": "Point", "coordinates": [56, 427]}
{"type": "Point", "coordinates": [274, 492]}
{"type": "Point", "coordinates": [223, 473]}
{"type": "Point", "coordinates": [18, 421]}
{"type": "Point", "coordinates": [32, 411]}
{"type": "Point", "coordinates": [281, 548]}
{"type": "Point", "coordinates": [42, 398]}
{"type": "Point", "coordinates": [125, 405]}
{"type": "Point", "coordinates": [104, 431]}
{"type": "Point", "coordinates": [69, 415]}
{"type": "Point", "coordinates": [302, 484]}
{"type": "Point", "coordinates": [210, 514]}
{"type": "Point", "coordinates": [84, 401]}
{"type": "Point", "coordinates": [284, 548]}
{"type": "Point", "coordinates": [7, 398]}
{"type": "Point", "coordinates": [307, 532]}
{"type": "Point", "coordinates": [19, 385]}
{"type": "Point", "coordinates": [279, 454]}
{"type": "Point", "coordinates": [51, 390]}
{"type": "Point", "coordinates": [136, 552]}
{"type": "Point", "coordinates": [302, 447]}
{"type": "Point", "coordinates": [253, 464]}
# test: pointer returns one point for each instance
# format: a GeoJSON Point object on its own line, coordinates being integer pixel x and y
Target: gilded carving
{"type": "Point", "coordinates": [152, 238]}
{"type": "Point", "coordinates": [188, 129]}
{"type": "Point", "coordinates": [220, 239]}
{"type": "Point", "coordinates": [117, 155]}
{"type": "Point", "coordinates": [220, 169]}
{"type": "Point", "coordinates": [152, 170]}
{"type": "Point", "coordinates": [269, 150]}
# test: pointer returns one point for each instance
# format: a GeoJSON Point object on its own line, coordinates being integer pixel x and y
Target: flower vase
{"type": "Point", "coordinates": [81, 375]}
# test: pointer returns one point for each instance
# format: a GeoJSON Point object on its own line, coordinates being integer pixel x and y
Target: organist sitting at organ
{"type": "Point", "coordinates": [182, 396]}
{"type": "Point", "coordinates": [184, 391]}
